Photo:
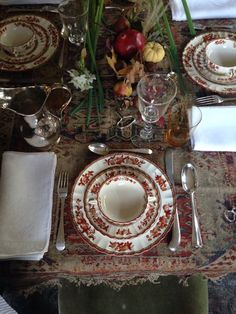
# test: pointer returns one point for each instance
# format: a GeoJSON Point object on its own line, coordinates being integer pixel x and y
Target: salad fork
{"type": "Point", "coordinates": [212, 99]}
{"type": "Point", "coordinates": [62, 192]}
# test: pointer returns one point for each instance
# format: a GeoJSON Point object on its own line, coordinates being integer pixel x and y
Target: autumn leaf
{"type": "Point", "coordinates": [112, 60]}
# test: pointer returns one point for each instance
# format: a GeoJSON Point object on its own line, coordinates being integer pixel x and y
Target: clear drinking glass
{"type": "Point", "coordinates": [74, 17]}
{"type": "Point", "coordinates": [182, 122]}
{"type": "Point", "coordinates": [155, 93]}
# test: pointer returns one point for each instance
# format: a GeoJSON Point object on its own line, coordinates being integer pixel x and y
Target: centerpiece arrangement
{"type": "Point", "coordinates": [140, 39]}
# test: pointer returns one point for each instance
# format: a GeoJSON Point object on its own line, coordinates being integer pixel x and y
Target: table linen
{"type": "Point", "coordinates": [5, 308]}
{"type": "Point", "coordinates": [26, 196]}
{"type": "Point", "coordinates": [201, 9]}
{"type": "Point", "coordinates": [217, 130]}
{"type": "Point", "coordinates": [82, 264]}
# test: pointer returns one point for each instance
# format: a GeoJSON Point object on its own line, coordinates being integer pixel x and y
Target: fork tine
{"type": "Point", "coordinates": [205, 101]}
{"type": "Point", "coordinates": [206, 98]}
{"type": "Point", "coordinates": [67, 178]}
{"type": "Point", "coordinates": [60, 178]}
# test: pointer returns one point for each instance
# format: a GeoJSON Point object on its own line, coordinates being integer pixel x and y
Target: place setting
{"type": "Point", "coordinates": [209, 60]}
{"type": "Point", "coordinates": [37, 44]}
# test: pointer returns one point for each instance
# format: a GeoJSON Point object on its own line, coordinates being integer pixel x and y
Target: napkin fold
{"type": "Point", "coordinates": [26, 198]}
{"type": "Point", "coordinates": [202, 9]}
{"type": "Point", "coordinates": [217, 130]}
{"type": "Point", "coordinates": [18, 2]}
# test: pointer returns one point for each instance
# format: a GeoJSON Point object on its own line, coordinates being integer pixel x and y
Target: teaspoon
{"type": "Point", "coordinates": [103, 149]}
{"type": "Point", "coordinates": [189, 183]}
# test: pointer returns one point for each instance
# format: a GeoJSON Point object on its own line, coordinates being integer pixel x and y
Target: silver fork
{"type": "Point", "coordinates": [62, 192]}
{"type": "Point", "coordinates": [212, 99]}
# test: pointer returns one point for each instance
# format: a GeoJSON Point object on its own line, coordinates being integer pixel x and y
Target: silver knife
{"type": "Point", "coordinates": [176, 234]}
{"type": "Point", "coordinates": [202, 27]}
{"type": "Point", "coordinates": [46, 8]}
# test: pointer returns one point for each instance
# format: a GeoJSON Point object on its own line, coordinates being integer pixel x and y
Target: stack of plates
{"type": "Point", "coordinates": [46, 43]}
{"type": "Point", "coordinates": [195, 64]}
{"type": "Point", "coordinates": [122, 204]}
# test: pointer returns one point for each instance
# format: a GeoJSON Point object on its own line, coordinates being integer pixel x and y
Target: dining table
{"type": "Point", "coordinates": [81, 263]}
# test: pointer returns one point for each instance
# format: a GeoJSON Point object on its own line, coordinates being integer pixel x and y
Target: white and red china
{"type": "Point", "coordinates": [133, 225]}
{"type": "Point", "coordinates": [46, 43]}
{"type": "Point", "coordinates": [200, 63]}
{"type": "Point", "coordinates": [40, 46]}
{"type": "Point", "coordinates": [136, 243]}
{"type": "Point", "coordinates": [17, 38]}
{"type": "Point", "coordinates": [122, 198]}
{"type": "Point", "coordinates": [221, 56]}
{"type": "Point", "coordinates": [192, 71]}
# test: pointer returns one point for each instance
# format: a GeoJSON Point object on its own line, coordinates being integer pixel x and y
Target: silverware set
{"type": "Point", "coordinates": [189, 184]}
{"type": "Point", "coordinates": [62, 191]}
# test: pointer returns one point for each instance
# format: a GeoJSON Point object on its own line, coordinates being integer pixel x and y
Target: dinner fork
{"type": "Point", "coordinates": [212, 99]}
{"type": "Point", "coordinates": [62, 192]}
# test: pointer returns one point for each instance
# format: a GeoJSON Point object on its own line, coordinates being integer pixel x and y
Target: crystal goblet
{"type": "Point", "coordinates": [155, 93]}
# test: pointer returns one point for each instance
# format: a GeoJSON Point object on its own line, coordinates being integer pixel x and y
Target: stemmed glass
{"type": "Point", "coordinates": [155, 93]}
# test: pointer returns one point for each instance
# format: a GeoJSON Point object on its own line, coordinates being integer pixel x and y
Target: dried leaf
{"type": "Point", "coordinates": [136, 72]}
{"type": "Point", "coordinates": [112, 60]}
{"type": "Point", "coordinates": [125, 71]}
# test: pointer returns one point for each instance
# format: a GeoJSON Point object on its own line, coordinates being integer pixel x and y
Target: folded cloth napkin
{"type": "Point", "coordinates": [26, 196]}
{"type": "Point", "coordinates": [5, 307]}
{"type": "Point", "coordinates": [202, 9]}
{"type": "Point", "coordinates": [217, 130]}
{"type": "Point", "coordinates": [17, 2]}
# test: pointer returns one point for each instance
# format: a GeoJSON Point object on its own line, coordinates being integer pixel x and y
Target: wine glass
{"type": "Point", "coordinates": [155, 93]}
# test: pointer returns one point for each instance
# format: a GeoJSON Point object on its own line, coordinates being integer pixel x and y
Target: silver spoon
{"type": "Point", "coordinates": [103, 149]}
{"type": "Point", "coordinates": [189, 183]}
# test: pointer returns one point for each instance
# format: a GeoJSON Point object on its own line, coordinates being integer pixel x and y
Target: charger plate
{"type": "Point", "coordinates": [140, 242]}
{"type": "Point", "coordinates": [46, 44]}
{"type": "Point", "coordinates": [195, 74]}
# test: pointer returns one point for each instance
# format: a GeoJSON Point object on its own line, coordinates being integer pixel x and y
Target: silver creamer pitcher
{"type": "Point", "coordinates": [40, 110]}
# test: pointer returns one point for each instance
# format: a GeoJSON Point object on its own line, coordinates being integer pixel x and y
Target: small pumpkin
{"type": "Point", "coordinates": [153, 52]}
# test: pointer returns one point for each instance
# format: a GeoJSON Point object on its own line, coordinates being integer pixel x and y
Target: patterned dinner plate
{"type": "Point", "coordinates": [46, 44]}
{"type": "Point", "coordinates": [110, 243]}
{"type": "Point", "coordinates": [120, 218]}
{"type": "Point", "coordinates": [200, 62]}
{"type": "Point", "coordinates": [195, 74]}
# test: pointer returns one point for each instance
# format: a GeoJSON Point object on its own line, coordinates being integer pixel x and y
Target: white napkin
{"type": "Point", "coordinates": [26, 196]}
{"type": "Point", "coordinates": [217, 130]}
{"type": "Point", "coordinates": [17, 2]}
{"type": "Point", "coordinates": [204, 9]}
{"type": "Point", "coordinates": [5, 308]}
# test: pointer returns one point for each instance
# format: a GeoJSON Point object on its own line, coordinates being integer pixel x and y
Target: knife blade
{"type": "Point", "coordinates": [46, 8]}
{"type": "Point", "coordinates": [202, 27]}
{"type": "Point", "coordinates": [176, 233]}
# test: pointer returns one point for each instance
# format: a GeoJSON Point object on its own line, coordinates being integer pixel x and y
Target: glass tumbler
{"type": "Point", "coordinates": [74, 17]}
{"type": "Point", "coordinates": [182, 122]}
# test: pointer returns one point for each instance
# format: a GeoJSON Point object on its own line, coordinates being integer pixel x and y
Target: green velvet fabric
{"type": "Point", "coordinates": [167, 297]}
